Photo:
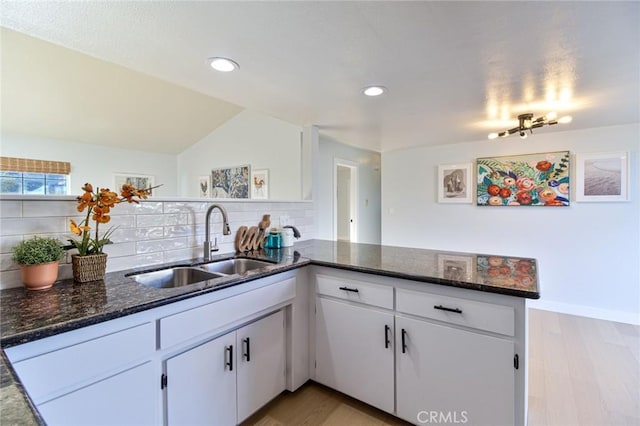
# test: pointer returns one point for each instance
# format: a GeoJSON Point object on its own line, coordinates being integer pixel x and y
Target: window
{"type": "Point", "coordinates": [27, 176]}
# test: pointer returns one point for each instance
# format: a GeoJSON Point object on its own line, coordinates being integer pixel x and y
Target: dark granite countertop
{"type": "Point", "coordinates": [28, 316]}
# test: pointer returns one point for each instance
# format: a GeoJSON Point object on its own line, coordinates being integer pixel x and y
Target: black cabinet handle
{"type": "Point", "coordinates": [404, 343]}
{"type": "Point", "coordinates": [230, 362]}
{"type": "Point", "coordinates": [247, 353]}
{"type": "Point", "coordinates": [444, 308]}
{"type": "Point", "coordinates": [387, 329]}
{"type": "Point", "coordinates": [355, 290]}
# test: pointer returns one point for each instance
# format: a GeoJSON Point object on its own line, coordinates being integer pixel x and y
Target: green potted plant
{"type": "Point", "coordinates": [38, 259]}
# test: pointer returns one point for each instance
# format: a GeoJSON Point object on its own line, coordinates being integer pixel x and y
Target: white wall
{"type": "Point", "coordinates": [95, 163]}
{"type": "Point", "coordinates": [368, 220]}
{"type": "Point", "coordinates": [251, 138]}
{"type": "Point", "coordinates": [588, 253]}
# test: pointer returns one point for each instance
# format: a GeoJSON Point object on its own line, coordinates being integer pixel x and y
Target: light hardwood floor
{"type": "Point", "coordinates": [582, 372]}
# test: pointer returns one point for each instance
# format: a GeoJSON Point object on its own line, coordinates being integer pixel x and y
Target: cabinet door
{"type": "Point", "coordinates": [261, 361]}
{"type": "Point", "coordinates": [354, 351]}
{"type": "Point", "coordinates": [201, 384]}
{"type": "Point", "coordinates": [452, 375]}
{"type": "Point", "coordinates": [128, 398]}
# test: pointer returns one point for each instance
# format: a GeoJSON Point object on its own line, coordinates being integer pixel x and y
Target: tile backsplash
{"type": "Point", "coordinates": [149, 233]}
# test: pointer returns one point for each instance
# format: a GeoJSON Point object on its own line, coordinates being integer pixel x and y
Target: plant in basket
{"type": "Point", "coordinates": [89, 264]}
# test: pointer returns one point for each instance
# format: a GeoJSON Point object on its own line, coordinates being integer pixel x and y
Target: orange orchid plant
{"type": "Point", "coordinates": [98, 205]}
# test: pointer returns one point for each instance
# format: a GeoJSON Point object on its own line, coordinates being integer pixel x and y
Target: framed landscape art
{"type": "Point", "coordinates": [602, 176]}
{"type": "Point", "coordinates": [524, 180]}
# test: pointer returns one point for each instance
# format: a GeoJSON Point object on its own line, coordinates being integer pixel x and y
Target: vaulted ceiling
{"type": "Point", "coordinates": [455, 71]}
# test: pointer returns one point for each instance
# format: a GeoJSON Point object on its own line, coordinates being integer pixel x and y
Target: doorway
{"type": "Point", "coordinates": [345, 200]}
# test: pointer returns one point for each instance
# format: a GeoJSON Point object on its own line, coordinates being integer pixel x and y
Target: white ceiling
{"type": "Point", "coordinates": [455, 70]}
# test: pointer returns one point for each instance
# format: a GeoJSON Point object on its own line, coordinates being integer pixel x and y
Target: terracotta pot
{"type": "Point", "coordinates": [39, 277]}
{"type": "Point", "coordinates": [89, 268]}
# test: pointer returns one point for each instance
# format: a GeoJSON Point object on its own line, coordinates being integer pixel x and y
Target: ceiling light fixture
{"type": "Point", "coordinates": [374, 90]}
{"type": "Point", "coordinates": [223, 64]}
{"type": "Point", "coordinates": [526, 122]}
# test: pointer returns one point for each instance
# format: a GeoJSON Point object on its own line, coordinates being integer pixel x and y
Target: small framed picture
{"type": "Point", "coordinates": [602, 176]}
{"type": "Point", "coordinates": [454, 183]}
{"type": "Point", "coordinates": [260, 184]}
{"type": "Point", "coordinates": [204, 186]}
{"type": "Point", "coordinates": [138, 181]}
{"type": "Point", "coordinates": [456, 268]}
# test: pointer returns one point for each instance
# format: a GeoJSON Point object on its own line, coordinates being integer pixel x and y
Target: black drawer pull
{"type": "Point", "coordinates": [404, 343]}
{"type": "Point", "coordinates": [230, 362]}
{"type": "Point", "coordinates": [387, 329]}
{"type": "Point", "coordinates": [247, 354]}
{"type": "Point", "coordinates": [355, 290]}
{"type": "Point", "coordinates": [444, 308]}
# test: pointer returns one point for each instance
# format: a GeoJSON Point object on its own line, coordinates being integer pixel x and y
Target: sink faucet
{"type": "Point", "coordinates": [208, 247]}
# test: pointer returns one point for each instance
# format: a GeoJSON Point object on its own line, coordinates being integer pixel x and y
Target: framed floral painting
{"type": "Point", "coordinates": [524, 180]}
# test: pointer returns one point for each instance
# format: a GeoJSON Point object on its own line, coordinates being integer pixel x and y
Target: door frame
{"type": "Point", "coordinates": [353, 210]}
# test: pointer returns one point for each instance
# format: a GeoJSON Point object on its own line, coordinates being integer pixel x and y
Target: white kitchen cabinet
{"type": "Point", "coordinates": [225, 380]}
{"type": "Point", "coordinates": [457, 356]}
{"type": "Point", "coordinates": [201, 384]}
{"type": "Point", "coordinates": [108, 402]}
{"type": "Point", "coordinates": [445, 372]}
{"type": "Point", "coordinates": [261, 363]}
{"type": "Point", "coordinates": [78, 378]}
{"type": "Point", "coordinates": [354, 351]}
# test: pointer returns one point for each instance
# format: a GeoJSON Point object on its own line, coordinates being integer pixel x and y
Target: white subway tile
{"type": "Point", "coordinates": [49, 208]}
{"type": "Point", "coordinates": [128, 262]}
{"type": "Point", "coordinates": [118, 250]}
{"type": "Point", "coordinates": [6, 264]}
{"type": "Point", "coordinates": [143, 220]}
{"type": "Point", "coordinates": [10, 279]}
{"type": "Point", "coordinates": [179, 231]}
{"type": "Point", "coordinates": [149, 233]}
{"type": "Point", "coordinates": [185, 207]}
{"type": "Point", "coordinates": [182, 254]}
{"type": "Point", "coordinates": [10, 208]}
{"type": "Point", "coordinates": [161, 245]}
{"type": "Point", "coordinates": [7, 243]}
{"type": "Point", "coordinates": [30, 226]}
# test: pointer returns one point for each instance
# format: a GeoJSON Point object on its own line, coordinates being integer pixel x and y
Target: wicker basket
{"type": "Point", "coordinates": [89, 268]}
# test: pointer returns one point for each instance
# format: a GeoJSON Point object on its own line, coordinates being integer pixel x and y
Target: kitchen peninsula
{"type": "Point", "coordinates": [473, 300]}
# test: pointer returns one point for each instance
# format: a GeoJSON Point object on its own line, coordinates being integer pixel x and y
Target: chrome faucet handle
{"type": "Point", "coordinates": [215, 245]}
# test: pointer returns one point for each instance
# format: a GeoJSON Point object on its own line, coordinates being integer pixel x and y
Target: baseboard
{"type": "Point", "coordinates": [585, 311]}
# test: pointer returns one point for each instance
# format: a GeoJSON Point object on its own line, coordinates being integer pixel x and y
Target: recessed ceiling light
{"type": "Point", "coordinates": [223, 64]}
{"type": "Point", "coordinates": [374, 90]}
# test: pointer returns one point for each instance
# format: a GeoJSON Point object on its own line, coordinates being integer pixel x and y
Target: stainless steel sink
{"type": "Point", "coordinates": [174, 277]}
{"type": "Point", "coordinates": [234, 266]}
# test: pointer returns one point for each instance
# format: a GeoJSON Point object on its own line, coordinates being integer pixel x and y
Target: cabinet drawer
{"type": "Point", "coordinates": [356, 291]}
{"type": "Point", "coordinates": [208, 318]}
{"type": "Point", "coordinates": [484, 316]}
{"type": "Point", "coordinates": [62, 369]}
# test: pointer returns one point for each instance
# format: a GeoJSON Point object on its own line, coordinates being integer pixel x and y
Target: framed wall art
{"type": "Point", "coordinates": [204, 186]}
{"type": "Point", "coordinates": [602, 176]}
{"type": "Point", "coordinates": [138, 181]}
{"type": "Point", "coordinates": [524, 180]}
{"type": "Point", "coordinates": [231, 182]}
{"type": "Point", "coordinates": [454, 183]}
{"type": "Point", "coordinates": [260, 184]}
